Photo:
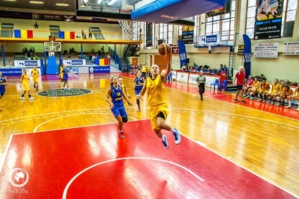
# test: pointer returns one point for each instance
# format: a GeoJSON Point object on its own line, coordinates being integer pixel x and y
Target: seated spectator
{"type": "Point", "coordinates": [221, 68]}
{"type": "Point", "coordinates": [247, 85]}
{"type": "Point", "coordinates": [295, 96]}
{"type": "Point", "coordinates": [279, 93]}
{"type": "Point", "coordinates": [253, 90]}
{"type": "Point", "coordinates": [271, 95]}
{"type": "Point", "coordinates": [184, 67]}
{"type": "Point", "coordinates": [263, 90]}
{"type": "Point", "coordinates": [287, 91]}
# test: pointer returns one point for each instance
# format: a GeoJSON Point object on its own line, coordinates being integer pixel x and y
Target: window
{"type": "Point", "coordinates": [196, 28]}
{"type": "Point", "coordinates": [288, 14]}
{"type": "Point", "coordinates": [166, 32]}
{"type": "Point", "coordinates": [222, 24]}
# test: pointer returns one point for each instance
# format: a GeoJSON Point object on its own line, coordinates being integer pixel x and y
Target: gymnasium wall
{"type": "Point", "coordinates": [110, 31]}
{"type": "Point", "coordinates": [284, 67]}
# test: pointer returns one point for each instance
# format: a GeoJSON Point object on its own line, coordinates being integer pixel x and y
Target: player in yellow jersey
{"type": "Point", "coordinates": [286, 92]}
{"type": "Point", "coordinates": [25, 84]}
{"type": "Point", "coordinates": [158, 104]}
{"type": "Point", "coordinates": [295, 96]}
{"type": "Point", "coordinates": [61, 74]}
{"type": "Point", "coordinates": [35, 76]}
{"type": "Point", "coordinates": [274, 91]}
{"type": "Point", "coordinates": [263, 90]}
{"type": "Point", "coordinates": [253, 90]}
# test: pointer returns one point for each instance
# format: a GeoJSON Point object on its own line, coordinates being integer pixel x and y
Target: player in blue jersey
{"type": "Point", "coordinates": [138, 85]}
{"type": "Point", "coordinates": [65, 77]}
{"type": "Point", "coordinates": [117, 94]}
{"type": "Point", "coordinates": [3, 82]}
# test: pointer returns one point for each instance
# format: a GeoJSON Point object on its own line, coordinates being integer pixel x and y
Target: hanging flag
{"type": "Point", "coordinates": [247, 54]}
{"type": "Point", "coordinates": [182, 53]}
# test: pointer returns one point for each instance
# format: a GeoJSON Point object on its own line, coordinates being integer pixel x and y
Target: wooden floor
{"type": "Point", "coordinates": [264, 143]}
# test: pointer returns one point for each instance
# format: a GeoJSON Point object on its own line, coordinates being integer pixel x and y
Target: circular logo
{"type": "Point", "coordinates": [64, 92]}
{"type": "Point", "coordinates": [91, 69]}
{"type": "Point", "coordinates": [18, 177]}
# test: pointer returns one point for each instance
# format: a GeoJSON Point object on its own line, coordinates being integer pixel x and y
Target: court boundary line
{"type": "Point", "coordinates": [122, 159]}
{"type": "Point", "coordinates": [6, 152]}
{"type": "Point", "coordinates": [228, 158]}
{"type": "Point", "coordinates": [135, 120]}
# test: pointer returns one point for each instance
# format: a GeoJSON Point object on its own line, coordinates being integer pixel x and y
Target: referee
{"type": "Point", "coordinates": [201, 81]}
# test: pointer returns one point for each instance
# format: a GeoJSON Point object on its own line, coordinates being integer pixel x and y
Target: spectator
{"type": "Point", "coordinates": [247, 85]}
{"type": "Point", "coordinates": [263, 90]}
{"type": "Point", "coordinates": [240, 77]}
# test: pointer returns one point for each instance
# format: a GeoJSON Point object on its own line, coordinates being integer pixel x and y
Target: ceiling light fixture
{"type": "Point", "coordinates": [62, 4]}
{"type": "Point", "coordinates": [36, 2]}
{"type": "Point", "coordinates": [10, 0]}
{"type": "Point", "coordinates": [112, 2]}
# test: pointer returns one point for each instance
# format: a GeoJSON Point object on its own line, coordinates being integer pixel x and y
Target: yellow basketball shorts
{"type": "Point", "coordinates": [154, 111]}
{"type": "Point", "coordinates": [26, 87]}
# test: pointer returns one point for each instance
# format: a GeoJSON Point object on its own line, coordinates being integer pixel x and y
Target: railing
{"type": "Point", "coordinates": [45, 33]}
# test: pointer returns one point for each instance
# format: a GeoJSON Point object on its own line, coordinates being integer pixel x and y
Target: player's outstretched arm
{"type": "Point", "coordinates": [169, 64]}
{"type": "Point", "coordinates": [108, 96]}
{"type": "Point", "coordinates": [142, 92]}
{"type": "Point", "coordinates": [126, 97]}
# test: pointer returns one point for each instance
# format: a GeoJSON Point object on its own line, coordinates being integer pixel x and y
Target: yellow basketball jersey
{"type": "Point", "coordinates": [60, 69]}
{"type": "Point", "coordinates": [275, 88]}
{"type": "Point", "coordinates": [256, 84]}
{"type": "Point", "coordinates": [34, 73]}
{"type": "Point", "coordinates": [25, 79]}
{"type": "Point", "coordinates": [155, 91]}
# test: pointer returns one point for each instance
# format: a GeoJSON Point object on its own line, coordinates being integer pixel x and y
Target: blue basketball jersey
{"type": "Point", "coordinates": [65, 74]}
{"type": "Point", "coordinates": [139, 83]}
{"type": "Point", "coordinates": [2, 80]}
{"type": "Point", "coordinates": [117, 96]}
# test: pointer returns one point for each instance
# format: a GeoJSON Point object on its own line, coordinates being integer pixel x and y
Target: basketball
{"type": "Point", "coordinates": [164, 49]}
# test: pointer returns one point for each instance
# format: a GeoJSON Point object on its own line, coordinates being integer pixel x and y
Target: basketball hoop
{"type": "Point", "coordinates": [52, 47]}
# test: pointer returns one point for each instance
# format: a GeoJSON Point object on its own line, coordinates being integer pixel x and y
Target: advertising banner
{"type": "Point", "coordinates": [291, 48]}
{"type": "Point", "coordinates": [266, 50]}
{"type": "Point", "coordinates": [268, 19]}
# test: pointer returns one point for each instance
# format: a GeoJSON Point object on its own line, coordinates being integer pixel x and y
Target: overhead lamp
{"type": "Point", "coordinates": [112, 2]}
{"type": "Point", "coordinates": [36, 2]}
{"type": "Point", "coordinates": [10, 0]}
{"type": "Point", "coordinates": [62, 4]}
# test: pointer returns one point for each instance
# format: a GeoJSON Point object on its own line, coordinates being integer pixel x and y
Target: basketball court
{"type": "Point", "coordinates": [68, 146]}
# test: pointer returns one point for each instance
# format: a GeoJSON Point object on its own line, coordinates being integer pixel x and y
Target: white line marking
{"type": "Point", "coordinates": [228, 158]}
{"type": "Point", "coordinates": [6, 151]}
{"type": "Point", "coordinates": [121, 159]}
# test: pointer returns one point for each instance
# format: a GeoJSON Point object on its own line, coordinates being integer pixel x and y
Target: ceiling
{"type": "Point", "coordinates": [115, 6]}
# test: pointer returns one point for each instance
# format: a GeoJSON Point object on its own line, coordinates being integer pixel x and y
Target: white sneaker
{"type": "Point", "coordinates": [297, 109]}
{"type": "Point", "coordinates": [22, 98]}
{"type": "Point", "coordinates": [288, 106]}
{"type": "Point", "coordinates": [31, 98]}
{"type": "Point", "coordinates": [177, 136]}
{"type": "Point", "coordinates": [164, 141]}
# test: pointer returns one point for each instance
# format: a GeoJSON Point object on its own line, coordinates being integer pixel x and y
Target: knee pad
{"type": "Point", "coordinates": [125, 119]}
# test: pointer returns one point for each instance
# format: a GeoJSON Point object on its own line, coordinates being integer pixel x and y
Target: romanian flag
{"type": "Point", "coordinates": [69, 35]}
